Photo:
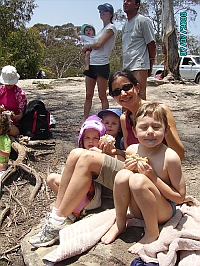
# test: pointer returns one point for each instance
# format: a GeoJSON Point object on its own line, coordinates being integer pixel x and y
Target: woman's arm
{"type": "Point", "coordinates": [172, 137]}
{"type": "Point", "coordinates": [124, 130]}
{"type": "Point", "coordinates": [17, 117]}
{"type": "Point", "coordinates": [100, 43]}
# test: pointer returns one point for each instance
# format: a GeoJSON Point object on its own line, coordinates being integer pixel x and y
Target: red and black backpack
{"type": "Point", "coordinates": [35, 122]}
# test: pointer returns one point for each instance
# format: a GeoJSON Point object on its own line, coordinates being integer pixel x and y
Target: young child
{"type": "Point", "coordinates": [89, 136]}
{"type": "Point", "coordinates": [150, 190]}
{"type": "Point", "coordinates": [111, 120]}
{"type": "Point", "coordinates": [86, 37]}
{"type": "Point", "coordinates": [86, 140]}
{"type": "Point", "coordinates": [5, 142]}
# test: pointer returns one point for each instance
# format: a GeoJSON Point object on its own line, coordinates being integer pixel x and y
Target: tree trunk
{"type": "Point", "coordinates": [169, 42]}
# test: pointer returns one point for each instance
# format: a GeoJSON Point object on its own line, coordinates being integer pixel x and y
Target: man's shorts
{"type": "Point", "coordinates": [98, 70]}
{"type": "Point", "coordinates": [109, 169]}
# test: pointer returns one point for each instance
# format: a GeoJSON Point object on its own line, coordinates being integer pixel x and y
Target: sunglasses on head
{"type": "Point", "coordinates": [117, 91]}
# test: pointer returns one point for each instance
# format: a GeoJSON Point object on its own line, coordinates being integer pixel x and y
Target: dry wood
{"type": "Point", "coordinates": [169, 41]}
{"type": "Point", "coordinates": [4, 213]}
{"type": "Point", "coordinates": [23, 235]}
{"type": "Point", "coordinates": [19, 163]}
{"type": "Point", "coordinates": [37, 143]}
{"type": "Point", "coordinates": [38, 179]}
{"type": "Point", "coordinates": [11, 249]}
{"type": "Point", "coordinates": [16, 200]}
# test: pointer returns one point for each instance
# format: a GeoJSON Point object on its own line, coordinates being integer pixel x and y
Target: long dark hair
{"type": "Point", "coordinates": [4, 124]}
{"type": "Point", "coordinates": [111, 19]}
{"type": "Point", "coordinates": [121, 73]}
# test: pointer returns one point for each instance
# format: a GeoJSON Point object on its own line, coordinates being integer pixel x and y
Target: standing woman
{"type": "Point", "coordinates": [99, 68]}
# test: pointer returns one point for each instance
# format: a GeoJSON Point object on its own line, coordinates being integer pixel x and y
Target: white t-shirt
{"type": "Point", "coordinates": [84, 39]}
{"type": "Point", "coordinates": [102, 55]}
{"type": "Point", "coordinates": [136, 34]}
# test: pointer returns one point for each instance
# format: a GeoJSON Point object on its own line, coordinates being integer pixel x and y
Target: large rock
{"type": "Point", "coordinates": [151, 81]}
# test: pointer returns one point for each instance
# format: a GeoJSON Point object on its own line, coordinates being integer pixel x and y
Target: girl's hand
{"type": "Point", "coordinates": [2, 108]}
{"type": "Point", "coordinates": [13, 116]}
{"type": "Point", "coordinates": [109, 149]}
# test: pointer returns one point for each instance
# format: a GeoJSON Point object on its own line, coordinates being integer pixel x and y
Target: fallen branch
{"type": "Point", "coordinates": [22, 151]}
{"type": "Point", "coordinates": [37, 143]}
{"type": "Point", "coordinates": [4, 213]}
{"type": "Point", "coordinates": [38, 179]}
{"type": "Point", "coordinates": [11, 249]}
{"type": "Point", "coordinates": [23, 235]}
{"type": "Point", "coordinates": [16, 200]}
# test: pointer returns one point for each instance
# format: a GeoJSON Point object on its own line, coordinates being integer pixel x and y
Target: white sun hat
{"type": "Point", "coordinates": [9, 75]}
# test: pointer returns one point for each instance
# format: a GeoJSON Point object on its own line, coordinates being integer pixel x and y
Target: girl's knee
{"type": "Point", "coordinates": [75, 153]}
{"type": "Point", "coordinates": [51, 178]}
{"type": "Point", "coordinates": [91, 160]}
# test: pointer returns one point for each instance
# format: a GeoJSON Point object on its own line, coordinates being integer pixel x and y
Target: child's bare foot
{"type": "Point", "coordinates": [134, 249]}
{"type": "Point", "coordinates": [111, 235]}
{"type": "Point", "coordinates": [147, 239]}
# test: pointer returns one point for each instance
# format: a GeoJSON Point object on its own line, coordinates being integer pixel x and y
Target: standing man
{"type": "Point", "coordinates": [138, 44]}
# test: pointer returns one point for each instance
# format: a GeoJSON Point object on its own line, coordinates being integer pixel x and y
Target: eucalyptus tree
{"type": "Point", "coordinates": [14, 14]}
{"type": "Point", "coordinates": [62, 54]}
{"type": "Point", "coordinates": [24, 51]}
{"type": "Point", "coordinates": [169, 40]}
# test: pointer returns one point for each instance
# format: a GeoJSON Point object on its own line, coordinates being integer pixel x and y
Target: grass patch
{"type": "Point", "coordinates": [43, 86]}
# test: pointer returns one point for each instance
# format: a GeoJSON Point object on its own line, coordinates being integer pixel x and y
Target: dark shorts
{"type": "Point", "coordinates": [96, 70]}
{"type": "Point", "coordinates": [173, 204]}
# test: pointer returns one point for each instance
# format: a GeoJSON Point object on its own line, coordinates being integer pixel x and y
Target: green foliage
{"type": "Point", "coordinates": [193, 43]}
{"type": "Point", "coordinates": [62, 54]}
{"type": "Point", "coordinates": [23, 50]}
{"type": "Point", "coordinates": [116, 59]}
{"type": "Point", "coordinates": [43, 85]}
{"type": "Point", "coordinates": [14, 15]}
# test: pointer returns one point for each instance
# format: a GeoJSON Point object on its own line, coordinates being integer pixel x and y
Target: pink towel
{"type": "Point", "coordinates": [181, 232]}
{"type": "Point", "coordinates": [81, 236]}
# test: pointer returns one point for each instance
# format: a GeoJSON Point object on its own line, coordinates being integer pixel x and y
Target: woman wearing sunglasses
{"type": "Point", "coordinates": [124, 88]}
{"type": "Point", "coordinates": [82, 164]}
{"type": "Point", "coordinates": [99, 68]}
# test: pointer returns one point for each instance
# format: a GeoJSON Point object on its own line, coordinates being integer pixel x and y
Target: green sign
{"type": "Point", "coordinates": [183, 33]}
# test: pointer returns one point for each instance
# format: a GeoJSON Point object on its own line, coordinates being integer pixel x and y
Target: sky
{"type": "Point", "coordinates": [79, 12]}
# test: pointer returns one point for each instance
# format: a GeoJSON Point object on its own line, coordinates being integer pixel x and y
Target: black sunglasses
{"type": "Point", "coordinates": [117, 91]}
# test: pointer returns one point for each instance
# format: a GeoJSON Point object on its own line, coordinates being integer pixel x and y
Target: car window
{"type": "Point", "coordinates": [197, 60]}
{"type": "Point", "coordinates": [186, 60]}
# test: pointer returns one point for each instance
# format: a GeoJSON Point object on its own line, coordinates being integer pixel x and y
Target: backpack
{"type": "Point", "coordinates": [35, 122]}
